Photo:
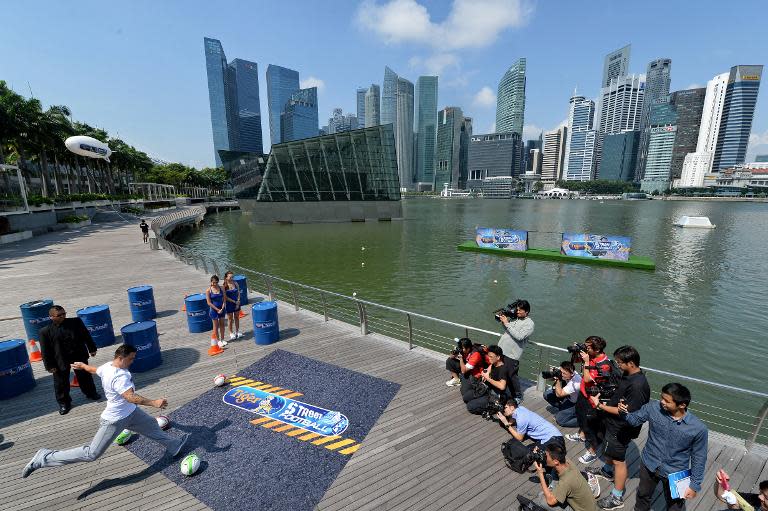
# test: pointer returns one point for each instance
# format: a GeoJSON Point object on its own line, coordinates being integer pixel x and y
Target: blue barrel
{"type": "Point", "coordinates": [98, 321]}
{"type": "Point", "coordinates": [142, 302]}
{"type": "Point", "coordinates": [143, 335]}
{"type": "Point", "coordinates": [243, 283]}
{"type": "Point", "coordinates": [15, 370]}
{"type": "Point", "coordinates": [35, 316]}
{"type": "Point", "coordinates": [265, 327]}
{"type": "Point", "coordinates": [198, 319]}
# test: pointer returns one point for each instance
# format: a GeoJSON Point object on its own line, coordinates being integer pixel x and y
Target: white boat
{"type": "Point", "coordinates": [700, 222]}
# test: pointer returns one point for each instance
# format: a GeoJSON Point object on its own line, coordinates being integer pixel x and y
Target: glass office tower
{"type": "Point", "coordinates": [425, 127]}
{"type": "Point", "coordinates": [738, 113]}
{"type": "Point", "coordinates": [281, 84]}
{"type": "Point", "coordinates": [299, 117]}
{"type": "Point", "coordinates": [510, 101]}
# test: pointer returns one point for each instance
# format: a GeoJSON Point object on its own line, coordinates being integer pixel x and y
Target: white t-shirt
{"type": "Point", "coordinates": [115, 382]}
{"type": "Point", "coordinates": [572, 387]}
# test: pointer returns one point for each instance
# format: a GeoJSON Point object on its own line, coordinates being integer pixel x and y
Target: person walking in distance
{"type": "Point", "coordinates": [214, 295]}
{"type": "Point", "coordinates": [144, 230]}
{"type": "Point", "coordinates": [121, 413]}
{"type": "Point", "coordinates": [232, 295]}
{"type": "Point", "coordinates": [62, 342]}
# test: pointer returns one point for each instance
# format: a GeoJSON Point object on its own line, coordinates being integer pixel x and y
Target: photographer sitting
{"type": "Point", "coordinates": [466, 359]}
{"type": "Point", "coordinates": [572, 490]}
{"type": "Point", "coordinates": [633, 390]}
{"type": "Point", "coordinates": [518, 328]}
{"type": "Point", "coordinates": [495, 378]}
{"type": "Point", "coordinates": [564, 392]}
{"type": "Point", "coordinates": [593, 357]}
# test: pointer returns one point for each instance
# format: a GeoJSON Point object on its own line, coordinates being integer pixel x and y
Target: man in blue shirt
{"type": "Point", "coordinates": [677, 440]}
{"type": "Point", "coordinates": [520, 422]}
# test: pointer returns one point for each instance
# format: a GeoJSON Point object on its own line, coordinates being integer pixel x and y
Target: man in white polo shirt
{"type": "Point", "coordinates": [121, 413]}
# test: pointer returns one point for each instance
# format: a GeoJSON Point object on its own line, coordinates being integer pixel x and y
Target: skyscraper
{"type": "Point", "coordinates": [657, 81]}
{"type": "Point", "coordinates": [425, 127]}
{"type": "Point", "coordinates": [616, 65]}
{"type": "Point", "coordinates": [510, 101]}
{"type": "Point", "coordinates": [388, 97]}
{"type": "Point", "coordinates": [619, 156]}
{"type": "Point", "coordinates": [553, 159]}
{"type": "Point", "coordinates": [361, 104]}
{"type": "Point", "coordinates": [404, 131]}
{"type": "Point", "coordinates": [233, 93]}
{"type": "Point", "coordinates": [581, 141]}
{"type": "Point", "coordinates": [738, 113]}
{"type": "Point", "coordinates": [447, 158]}
{"type": "Point", "coordinates": [663, 128]}
{"type": "Point", "coordinates": [372, 107]}
{"type": "Point", "coordinates": [493, 155]}
{"type": "Point", "coordinates": [688, 106]}
{"type": "Point", "coordinates": [619, 111]}
{"type": "Point", "coordinates": [299, 117]}
{"type": "Point", "coordinates": [281, 84]}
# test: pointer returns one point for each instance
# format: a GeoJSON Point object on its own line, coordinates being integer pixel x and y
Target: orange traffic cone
{"type": "Point", "coordinates": [215, 349]}
{"type": "Point", "coordinates": [184, 304]}
{"type": "Point", "coordinates": [34, 352]}
{"type": "Point", "coordinates": [242, 313]}
{"type": "Point", "coordinates": [74, 382]}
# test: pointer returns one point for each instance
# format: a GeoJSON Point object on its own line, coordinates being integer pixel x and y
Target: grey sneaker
{"type": "Point", "coordinates": [600, 472]}
{"type": "Point", "coordinates": [453, 382]}
{"type": "Point", "coordinates": [610, 502]}
{"type": "Point", "coordinates": [594, 484]}
{"type": "Point", "coordinates": [588, 458]}
{"type": "Point", "coordinates": [34, 463]}
{"type": "Point", "coordinates": [181, 445]}
{"type": "Point", "coordinates": [574, 437]}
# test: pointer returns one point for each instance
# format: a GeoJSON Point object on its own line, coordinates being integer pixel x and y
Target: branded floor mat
{"type": "Point", "coordinates": [276, 436]}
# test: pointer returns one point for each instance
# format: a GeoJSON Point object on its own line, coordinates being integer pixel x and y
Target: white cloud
{"type": "Point", "coordinates": [531, 132]}
{"type": "Point", "coordinates": [436, 64]}
{"type": "Point", "coordinates": [695, 86]}
{"type": "Point", "coordinates": [469, 24]}
{"type": "Point", "coordinates": [313, 82]}
{"type": "Point", "coordinates": [492, 128]}
{"type": "Point", "coordinates": [485, 97]}
{"type": "Point", "coordinates": [756, 139]}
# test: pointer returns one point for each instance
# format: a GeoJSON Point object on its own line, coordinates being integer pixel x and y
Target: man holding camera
{"type": "Point", "coordinates": [572, 490]}
{"type": "Point", "coordinates": [564, 392]}
{"type": "Point", "coordinates": [633, 391]}
{"type": "Point", "coordinates": [520, 422]}
{"type": "Point", "coordinates": [593, 356]}
{"type": "Point", "coordinates": [496, 379]}
{"type": "Point", "coordinates": [518, 328]}
{"type": "Point", "coordinates": [465, 360]}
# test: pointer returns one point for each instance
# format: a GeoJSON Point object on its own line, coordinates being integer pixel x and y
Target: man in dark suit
{"type": "Point", "coordinates": [63, 342]}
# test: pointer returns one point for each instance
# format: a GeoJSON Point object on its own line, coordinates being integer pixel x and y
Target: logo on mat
{"type": "Point", "coordinates": [310, 417]}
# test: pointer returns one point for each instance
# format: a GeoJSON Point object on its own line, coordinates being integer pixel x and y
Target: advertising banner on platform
{"type": "Point", "coordinates": [596, 246]}
{"type": "Point", "coordinates": [507, 239]}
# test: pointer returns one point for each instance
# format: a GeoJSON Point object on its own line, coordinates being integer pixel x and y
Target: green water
{"type": "Point", "coordinates": [701, 313]}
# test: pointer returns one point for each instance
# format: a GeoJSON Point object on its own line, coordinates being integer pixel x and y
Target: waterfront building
{"type": "Point", "coordinates": [341, 177]}
{"type": "Point", "coordinates": [534, 159]}
{"type": "Point", "coordinates": [492, 155]}
{"type": "Point", "coordinates": [404, 131]}
{"type": "Point", "coordinates": [738, 113]}
{"type": "Point", "coordinates": [464, 138]}
{"type": "Point", "coordinates": [615, 65]}
{"type": "Point", "coordinates": [452, 126]}
{"type": "Point", "coordinates": [510, 100]}
{"type": "Point", "coordinates": [527, 162]}
{"type": "Point", "coordinates": [660, 147]}
{"type": "Point", "coordinates": [619, 110]}
{"type": "Point", "coordinates": [751, 175]}
{"type": "Point", "coordinates": [339, 123]}
{"type": "Point", "coordinates": [761, 158]}
{"type": "Point", "coordinates": [695, 166]}
{"type": "Point", "coordinates": [233, 94]}
{"type": "Point", "coordinates": [388, 112]}
{"type": "Point", "coordinates": [299, 117]}
{"type": "Point", "coordinates": [499, 187]}
{"type": "Point", "coordinates": [372, 107]}
{"type": "Point", "coordinates": [553, 158]}
{"type": "Point", "coordinates": [581, 139]}
{"type": "Point", "coordinates": [281, 84]}
{"type": "Point", "coordinates": [657, 82]}
{"type": "Point", "coordinates": [619, 156]}
{"type": "Point", "coordinates": [360, 97]}
{"type": "Point", "coordinates": [712, 113]}
{"type": "Point", "coordinates": [688, 106]}
{"type": "Point", "coordinates": [425, 129]}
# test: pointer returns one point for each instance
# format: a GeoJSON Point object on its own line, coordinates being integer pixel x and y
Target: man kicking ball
{"type": "Point", "coordinates": [121, 413]}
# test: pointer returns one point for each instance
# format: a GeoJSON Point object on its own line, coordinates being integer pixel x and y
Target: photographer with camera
{"type": "Point", "coordinates": [572, 490]}
{"type": "Point", "coordinates": [520, 422]}
{"type": "Point", "coordinates": [564, 392]}
{"type": "Point", "coordinates": [633, 391]}
{"type": "Point", "coordinates": [595, 368]}
{"type": "Point", "coordinates": [496, 379]}
{"type": "Point", "coordinates": [466, 359]}
{"type": "Point", "coordinates": [518, 328]}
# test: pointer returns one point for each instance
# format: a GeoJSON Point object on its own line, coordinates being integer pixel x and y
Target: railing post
{"type": "Point", "coordinates": [295, 297]}
{"type": "Point", "coordinates": [466, 333]}
{"type": "Point", "coordinates": [216, 267]}
{"type": "Point", "coordinates": [758, 426]}
{"type": "Point", "coordinates": [410, 332]}
{"type": "Point", "coordinates": [205, 264]}
{"type": "Point", "coordinates": [268, 283]}
{"type": "Point", "coordinates": [325, 308]}
{"type": "Point", "coordinates": [363, 318]}
{"type": "Point", "coordinates": [540, 383]}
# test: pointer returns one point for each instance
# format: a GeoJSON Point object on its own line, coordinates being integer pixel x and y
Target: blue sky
{"type": "Point", "coordinates": [137, 68]}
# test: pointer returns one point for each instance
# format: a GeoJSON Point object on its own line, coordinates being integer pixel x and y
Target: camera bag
{"type": "Point", "coordinates": [515, 455]}
{"type": "Point", "coordinates": [527, 504]}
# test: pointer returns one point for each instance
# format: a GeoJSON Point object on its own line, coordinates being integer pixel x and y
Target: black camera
{"type": "Point", "coordinates": [576, 348]}
{"type": "Point", "coordinates": [510, 311]}
{"type": "Point", "coordinates": [553, 373]}
{"type": "Point", "coordinates": [457, 350]}
{"type": "Point", "coordinates": [535, 455]}
{"type": "Point", "coordinates": [496, 404]}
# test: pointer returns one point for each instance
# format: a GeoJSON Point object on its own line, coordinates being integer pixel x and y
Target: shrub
{"type": "Point", "coordinates": [73, 219]}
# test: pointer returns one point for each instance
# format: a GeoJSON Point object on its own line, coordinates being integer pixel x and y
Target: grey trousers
{"type": "Point", "coordinates": [138, 421]}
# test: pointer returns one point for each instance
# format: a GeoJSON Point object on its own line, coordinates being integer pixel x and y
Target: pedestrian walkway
{"type": "Point", "coordinates": [425, 451]}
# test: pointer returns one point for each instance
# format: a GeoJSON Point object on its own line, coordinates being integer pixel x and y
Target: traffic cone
{"type": "Point", "coordinates": [215, 349]}
{"type": "Point", "coordinates": [74, 382]}
{"type": "Point", "coordinates": [184, 304]}
{"type": "Point", "coordinates": [34, 352]}
{"type": "Point", "coordinates": [242, 313]}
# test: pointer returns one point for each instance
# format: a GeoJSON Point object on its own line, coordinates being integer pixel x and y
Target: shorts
{"type": "Point", "coordinates": [232, 307]}
{"type": "Point", "coordinates": [616, 442]}
{"type": "Point", "coordinates": [215, 315]}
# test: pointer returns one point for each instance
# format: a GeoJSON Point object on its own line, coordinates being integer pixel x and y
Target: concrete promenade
{"type": "Point", "coordinates": [425, 452]}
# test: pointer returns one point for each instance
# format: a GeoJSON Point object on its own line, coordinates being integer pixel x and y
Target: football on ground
{"type": "Point", "coordinates": [220, 380]}
{"type": "Point", "coordinates": [190, 465]}
{"type": "Point", "coordinates": [123, 437]}
{"type": "Point", "coordinates": [163, 421]}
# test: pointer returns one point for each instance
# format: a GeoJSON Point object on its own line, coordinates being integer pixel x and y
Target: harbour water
{"type": "Point", "coordinates": [701, 313]}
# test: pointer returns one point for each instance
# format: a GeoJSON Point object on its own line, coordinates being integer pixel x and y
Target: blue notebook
{"type": "Point", "coordinates": [679, 482]}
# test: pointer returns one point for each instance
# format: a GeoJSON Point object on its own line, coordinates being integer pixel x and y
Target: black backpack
{"type": "Point", "coordinates": [527, 504]}
{"type": "Point", "coordinates": [516, 455]}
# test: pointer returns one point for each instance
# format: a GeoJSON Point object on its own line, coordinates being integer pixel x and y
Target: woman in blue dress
{"type": "Point", "coordinates": [232, 291]}
{"type": "Point", "coordinates": [214, 295]}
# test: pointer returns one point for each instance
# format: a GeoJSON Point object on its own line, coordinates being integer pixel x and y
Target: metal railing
{"type": "Point", "coordinates": [713, 402]}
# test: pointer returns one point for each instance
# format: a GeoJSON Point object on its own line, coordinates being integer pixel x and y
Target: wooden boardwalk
{"type": "Point", "coordinates": [425, 452]}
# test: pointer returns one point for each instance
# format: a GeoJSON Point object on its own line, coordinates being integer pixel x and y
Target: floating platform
{"type": "Point", "coordinates": [700, 222]}
{"type": "Point", "coordinates": [546, 254]}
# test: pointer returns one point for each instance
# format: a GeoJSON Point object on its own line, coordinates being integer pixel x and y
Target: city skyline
{"type": "Point", "coordinates": [169, 116]}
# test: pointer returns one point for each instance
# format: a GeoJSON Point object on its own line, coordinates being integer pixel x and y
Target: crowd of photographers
{"type": "Point", "coordinates": [606, 398]}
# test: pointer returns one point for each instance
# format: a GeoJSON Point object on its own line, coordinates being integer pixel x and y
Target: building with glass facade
{"type": "Point", "coordinates": [657, 82]}
{"type": "Point", "coordinates": [553, 158]}
{"type": "Point", "coordinates": [688, 107]}
{"type": "Point", "coordinates": [619, 110]}
{"type": "Point", "coordinates": [281, 84]}
{"type": "Point", "coordinates": [233, 94]}
{"type": "Point", "coordinates": [360, 101]}
{"type": "Point", "coordinates": [350, 176]}
{"type": "Point", "coordinates": [453, 145]}
{"type": "Point", "coordinates": [492, 155]}
{"type": "Point", "coordinates": [660, 146]}
{"type": "Point", "coordinates": [581, 140]}
{"type": "Point", "coordinates": [299, 117]}
{"type": "Point", "coordinates": [372, 107]}
{"type": "Point", "coordinates": [425, 128]}
{"type": "Point", "coordinates": [619, 156]}
{"type": "Point", "coordinates": [738, 113]}
{"type": "Point", "coordinates": [510, 100]}
{"type": "Point", "coordinates": [404, 132]}
{"type": "Point", "coordinates": [615, 65]}
{"type": "Point", "coordinates": [388, 113]}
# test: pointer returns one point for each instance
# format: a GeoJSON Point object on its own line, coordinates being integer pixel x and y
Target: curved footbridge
{"type": "Point", "coordinates": [421, 449]}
